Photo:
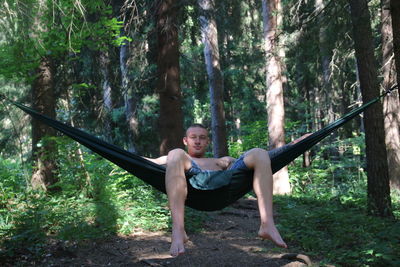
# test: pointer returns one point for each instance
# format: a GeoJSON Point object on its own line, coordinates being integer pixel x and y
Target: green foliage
{"type": "Point", "coordinates": [12, 184]}
{"type": "Point", "coordinates": [54, 30]}
{"type": "Point", "coordinates": [115, 26]}
{"type": "Point", "coordinates": [12, 178]}
{"type": "Point", "coordinates": [333, 175]}
{"type": "Point", "coordinates": [252, 135]}
{"type": "Point", "coordinates": [147, 124]}
{"type": "Point", "coordinates": [16, 63]}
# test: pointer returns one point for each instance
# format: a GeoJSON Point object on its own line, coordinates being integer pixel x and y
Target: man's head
{"type": "Point", "coordinates": [196, 140]}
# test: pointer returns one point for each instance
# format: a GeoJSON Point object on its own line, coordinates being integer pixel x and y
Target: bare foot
{"type": "Point", "coordinates": [178, 239]}
{"type": "Point", "coordinates": [271, 233]}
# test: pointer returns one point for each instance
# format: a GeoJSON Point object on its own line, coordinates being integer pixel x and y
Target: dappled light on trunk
{"type": "Point", "coordinates": [43, 148]}
{"type": "Point", "coordinates": [274, 83]}
{"type": "Point", "coordinates": [209, 35]}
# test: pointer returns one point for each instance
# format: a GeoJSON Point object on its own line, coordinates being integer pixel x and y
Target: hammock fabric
{"type": "Point", "coordinates": [206, 200]}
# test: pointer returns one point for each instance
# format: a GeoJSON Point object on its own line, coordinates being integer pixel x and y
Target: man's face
{"type": "Point", "coordinates": [196, 141]}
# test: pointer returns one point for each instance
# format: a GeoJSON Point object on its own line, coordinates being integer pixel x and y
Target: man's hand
{"type": "Point", "coordinates": [225, 162]}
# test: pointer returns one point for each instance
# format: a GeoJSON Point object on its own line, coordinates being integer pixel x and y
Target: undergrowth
{"type": "Point", "coordinates": [338, 233]}
{"type": "Point", "coordinates": [326, 216]}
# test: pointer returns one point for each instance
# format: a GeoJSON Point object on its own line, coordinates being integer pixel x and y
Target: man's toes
{"type": "Point", "coordinates": [177, 250]}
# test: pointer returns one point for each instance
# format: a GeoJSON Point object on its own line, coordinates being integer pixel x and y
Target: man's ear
{"type": "Point", "coordinates": [185, 141]}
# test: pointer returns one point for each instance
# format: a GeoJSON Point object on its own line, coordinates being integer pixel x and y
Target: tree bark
{"type": "Point", "coordinates": [307, 160]}
{"type": "Point", "coordinates": [325, 55]}
{"type": "Point", "coordinates": [209, 35]}
{"type": "Point", "coordinates": [391, 103]}
{"type": "Point", "coordinates": [168, 86]}
{"type": "Point", "coordinates": [395, 15]}
{"type": "Point", "coordinates": [129, 98]}
{"type": "Point", "coordinates": [43, 149]}
{"type": "Point", "coordinates": [104, 61]}
{"type": "Point", "coordinates": [379, 201]}
{"type": "Point", "coordinates": [129, 101]}
{"type": "Point", "coordinates": [275, 103]}
{"type": "Point", "coordinates": [121, 10]}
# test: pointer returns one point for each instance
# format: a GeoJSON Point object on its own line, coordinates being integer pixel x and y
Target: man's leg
{"type": "Point", "coordinates": [258, 160]}
{"type": "Point", "coordinates": [175, 181]}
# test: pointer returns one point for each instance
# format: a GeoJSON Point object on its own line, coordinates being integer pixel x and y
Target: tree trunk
{"type": "Point", "coordinates": [325, 55]}
{"type": "Point", "coordinates": [121, 10]}
{"type": "Point", "coordinates": [104, 61]}
{"type": "Point", "coordinates": [275, 104]}
{"type": "Point", "coordinates": [129, 98]}
{"type": "Point", "coordinates": [379, 201]}
{"type": "Point", "coordinates": [168, 86]}
{"type": "Point", "coordinates": [209, 35]}
{"type": "Point", "coordinates": [391, 104]}
{"type": "Point", "coordinates": [323, 47]}
{"type": "Point", "coordinates": [395, 14]}
{"type": "Point", "coordinates": [43, 149]}
{"type": "Point", "coordinates": [307, 160]}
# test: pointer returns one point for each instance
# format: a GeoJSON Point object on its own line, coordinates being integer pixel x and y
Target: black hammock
{"type": "Point", "coordinates": [206, 200]}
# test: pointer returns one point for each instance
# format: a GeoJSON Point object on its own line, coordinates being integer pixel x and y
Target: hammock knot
{"type": "Point", "coordinates": [394, 87]}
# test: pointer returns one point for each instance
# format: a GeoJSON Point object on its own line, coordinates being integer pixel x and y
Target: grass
{"type": "Point", "coordinates": [326, 216]}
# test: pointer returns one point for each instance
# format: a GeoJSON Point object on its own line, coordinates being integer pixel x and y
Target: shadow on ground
{"type": "Point", "coordinates": [228, 239]}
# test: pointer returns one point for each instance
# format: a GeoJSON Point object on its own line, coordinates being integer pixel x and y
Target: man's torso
{"type": "Point", "coordinates": [208, 163]}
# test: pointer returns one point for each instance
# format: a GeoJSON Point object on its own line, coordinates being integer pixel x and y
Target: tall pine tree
{"type": "Point", "coordinates": [379, 201]}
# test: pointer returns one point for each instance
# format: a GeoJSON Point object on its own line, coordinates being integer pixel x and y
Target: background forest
{"type": "Point", "coordinates": [258, 73]}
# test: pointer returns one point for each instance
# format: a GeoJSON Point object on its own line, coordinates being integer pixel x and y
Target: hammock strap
{"type": "Point", "coordinates": [286, 154]}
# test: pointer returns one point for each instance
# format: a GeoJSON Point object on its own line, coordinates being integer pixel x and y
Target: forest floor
{"type": "Point", "coordinates": [228, 238]}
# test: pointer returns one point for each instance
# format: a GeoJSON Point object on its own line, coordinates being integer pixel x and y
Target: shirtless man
{"type": "Point", "coordinates": [178, 162]}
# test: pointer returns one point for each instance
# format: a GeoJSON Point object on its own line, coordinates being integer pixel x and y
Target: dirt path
{"type": "Point", "coordinates": [228, 240]}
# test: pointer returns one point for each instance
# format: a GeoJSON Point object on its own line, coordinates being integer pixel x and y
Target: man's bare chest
{"type": "Point", "coordinates": [208, 163]}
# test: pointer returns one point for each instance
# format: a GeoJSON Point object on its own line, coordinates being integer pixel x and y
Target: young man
{"type": "Point", "coordinates": [178, 162]}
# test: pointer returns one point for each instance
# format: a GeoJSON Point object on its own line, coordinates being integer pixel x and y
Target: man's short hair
{"type": "Point", "coordinates": [196, 125]}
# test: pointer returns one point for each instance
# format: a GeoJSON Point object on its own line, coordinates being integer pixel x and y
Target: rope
{"type": "Point", "coordinates": [394, 87]}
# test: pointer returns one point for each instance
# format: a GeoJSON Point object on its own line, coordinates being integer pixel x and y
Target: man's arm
{"type": "Point", "coordinates": [160, 161]}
